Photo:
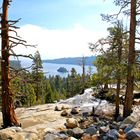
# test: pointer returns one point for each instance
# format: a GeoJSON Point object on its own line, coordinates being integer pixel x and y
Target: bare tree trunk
{"type": "Point", "coordinates": [83, 62]}
{"type": "Point", "coordinates": [9, 116]}
{"type": "Point", "coordinates": [117, 98]}
{"type": "Point", "coordinates": [131, 60]}
{"type": "Point", "coordinates": [120, 46]}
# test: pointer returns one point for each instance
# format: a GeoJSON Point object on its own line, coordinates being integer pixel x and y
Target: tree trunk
{"type": "Point", "coordinates": [9, 116]}
{"type": "Point", "coordinates": [131, 59]}
{"type": "Point", "coordinates": [120, 46]}
{"type": "Point", "coordinates": [83, 61]}
{"type": "Point", "coordinates": [117, 98]}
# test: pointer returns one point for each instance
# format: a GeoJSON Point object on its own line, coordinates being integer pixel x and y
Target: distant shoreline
{"type": "Point", "coordinates": [72, 60]}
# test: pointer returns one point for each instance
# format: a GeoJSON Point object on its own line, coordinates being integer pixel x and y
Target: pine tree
{"type": "Point", "coordinates": [38, 76]}
{"type": "Point", "coordinates": [49, 93]}
{"type": "Point", "coordinates": [131, 61]}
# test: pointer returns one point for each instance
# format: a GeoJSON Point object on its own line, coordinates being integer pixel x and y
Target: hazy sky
{"type": "Point", "coordinates": [61, 28]}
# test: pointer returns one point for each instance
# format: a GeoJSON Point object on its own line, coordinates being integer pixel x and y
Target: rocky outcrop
{"type": "Point", "coordinates": [66, 122]}
{"type": "Point", "coordinates": [36, 122]}
{"type": "Point", "coordinates": [89, 126]}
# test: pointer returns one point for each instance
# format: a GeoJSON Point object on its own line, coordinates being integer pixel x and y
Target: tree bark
{"type": "Point", "coordinates": [9, 116]}
{"type": "Point", "coordinates": [117, 112]}
{"type": "Point", "coordinates": [131, 59]}
{"type": "Point", "coordinates": [83, 61]}
{"type": "Point", "coordinates": [120, 46]}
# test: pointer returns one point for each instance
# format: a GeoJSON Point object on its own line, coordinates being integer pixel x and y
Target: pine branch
{"type": "Point", "coordinates": [110, 18]}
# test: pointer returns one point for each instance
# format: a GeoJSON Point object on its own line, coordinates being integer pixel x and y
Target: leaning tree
{"type": "Point", "coordinates": [7, 44]}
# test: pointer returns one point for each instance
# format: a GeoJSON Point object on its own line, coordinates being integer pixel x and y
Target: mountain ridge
{"type": "Point", "coordinates": [72, 60]}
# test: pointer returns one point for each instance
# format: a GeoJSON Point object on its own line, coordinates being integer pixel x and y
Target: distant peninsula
{"type": "Point", "coordinates": [72, 60]}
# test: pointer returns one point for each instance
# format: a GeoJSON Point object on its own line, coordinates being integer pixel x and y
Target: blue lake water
{"type": "Point", "coordinates": [51, 68]}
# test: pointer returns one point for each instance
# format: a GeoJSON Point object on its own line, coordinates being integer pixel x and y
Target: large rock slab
{"type": "Point", "coordinates": [36, 121]}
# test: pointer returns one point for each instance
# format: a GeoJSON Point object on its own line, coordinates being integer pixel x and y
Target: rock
{"type": "Point", "coordinates": [10, 136]}
{"type": "Point", "coordinates": [55, 136]}
{"type": "Point", "coordinates": [61, 107]}
{"type": "Point", "coordinates": [80, 119]}
{"type": "Point", "coordinates": [58, 108]}
{"type": "Point", "coordinates": [96, 119]}
{"type": "Point", "coordinates": [75, 110]}
{"type": "Point", "coordinates": [91, 130]}
{"type": "Point", "coordinates": [95, 137]}
{"type": "Point", "coordinates": [64, 113]}
{"type": "Point", "coordinates": [121, 131]}
{"type": "Point", "coordinates": [136, 101]}
{"type": "Point", "coordinates": [71, 123]}
{"type": "Point", "coordinates": [123, 126]}
{"type": "Point", "coordinates": [128, 128]}
{"type": "Point", "coordinates": [85, 114]}
{"type": "Point", "coordinates": [106, 111]}
{"type": "Point", "coordinates": [113, 134]}
{"type": "Point", "coordinates": [122, 135]}
{"type": "Point", "coordinates": [50, 136]}
{"type": "Point", "coordinates": [100, 124]}
{"type": "Point", "coordinates": [137, 125]}
{"type": "Point", "coordinates": [113, 126]}
{"type": "Point", "coordinates": [88, 137]}
{"type": "Point", "coordinates": [133, 134]}
{"type": "Point", "coordinates": [11, 133]}
{"type": "Point", "coordinates": [29, 136]}
{"type": "Point", "coordinates": [65, 106]}
{"type": "Point", "coordinates": [70, 132]}
{"type": "Point", "coordinates": [16, 133]}
{"type": "Point", "coordinates": [119, 118]}
{"type": "Point", "coordinates": [77, 132]}
{"type": "Point", "coordinates": [103, 129]}
{"type": "Point", "coordinates": [132, 119]}
{"type": "Point", "coordinates": [17, 129]}
{"type": "Point", "coordinates": [72, 138]}
{"type": "Point", "coordinates": [85, 124]}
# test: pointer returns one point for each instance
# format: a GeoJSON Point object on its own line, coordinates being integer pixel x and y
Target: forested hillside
{"type": "Point", "coordinates": [72, 60]}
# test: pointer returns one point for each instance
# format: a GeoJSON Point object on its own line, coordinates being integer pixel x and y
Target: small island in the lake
{"type": "Point", "coordinates": [62, 69]}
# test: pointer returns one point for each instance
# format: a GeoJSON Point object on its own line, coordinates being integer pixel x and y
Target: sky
{"type": "Point", "coordinates": [60, 28]}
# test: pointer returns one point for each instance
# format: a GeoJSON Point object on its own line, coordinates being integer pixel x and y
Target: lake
{"type": "Point", "coordinates": [51, 68]}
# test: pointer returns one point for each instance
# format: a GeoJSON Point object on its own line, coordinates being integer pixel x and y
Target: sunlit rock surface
{"type": "Point", "coordinates": [46, 121]}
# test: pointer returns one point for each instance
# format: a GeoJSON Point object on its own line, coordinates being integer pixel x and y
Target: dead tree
{"type": "Point", "coordinates": [82, 64]}
{"type": "Point", "coordinates": [7, 43]}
